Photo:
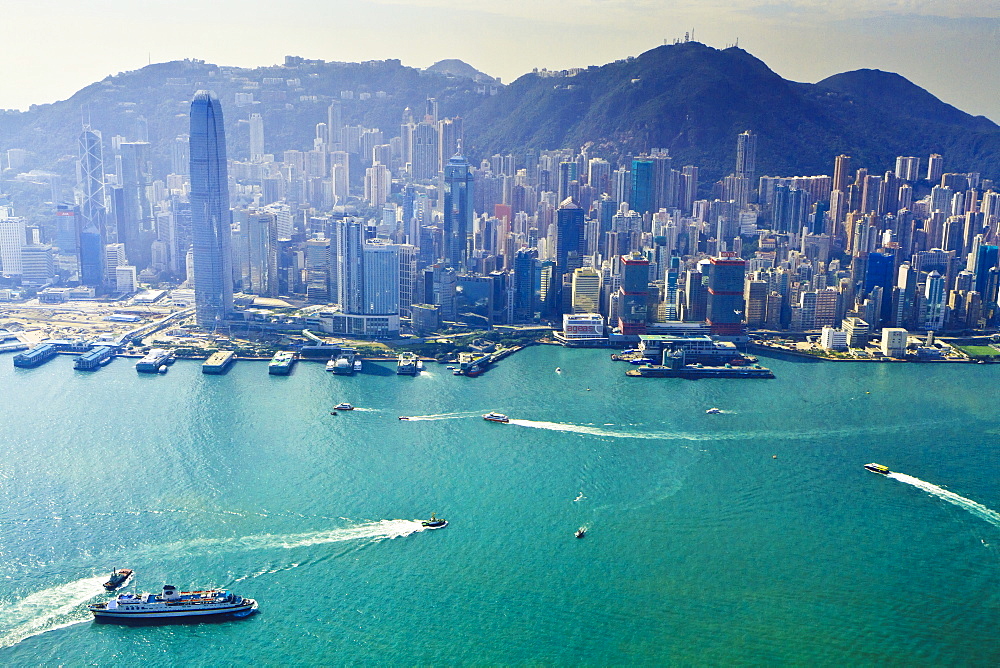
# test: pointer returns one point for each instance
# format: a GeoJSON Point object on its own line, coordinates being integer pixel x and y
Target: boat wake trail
{"type": "Point", "coordinates": [977, 509]}
{"type": "Point", "coordinates": [49, 609]}
{"type": "Point", "coordinates": [445, 416]}
{"type": "Point", "coordinates": [598, 431]}
{"type": "Point", "coordinates": [367, 532]}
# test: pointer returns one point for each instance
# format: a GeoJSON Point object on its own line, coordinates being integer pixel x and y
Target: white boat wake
{"type": "Point", "coordinates": [977, 509]}
{"type": "Point", "coordinates": [597, 431]}
{"type": "Point", "coordinates": [444, 416]}
{"type": "Point", "coordinates": [52, 608]}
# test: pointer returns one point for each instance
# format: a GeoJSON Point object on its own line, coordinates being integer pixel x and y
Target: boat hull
{"type": "Point", "coordinates": [245, 609]}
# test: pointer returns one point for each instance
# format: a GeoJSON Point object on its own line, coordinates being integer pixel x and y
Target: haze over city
{"type": "Point", "coordinates": [948, 47]}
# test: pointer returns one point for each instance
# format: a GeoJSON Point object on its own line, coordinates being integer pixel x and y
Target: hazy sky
{"type": "Point", "coordinates": [51, 48]}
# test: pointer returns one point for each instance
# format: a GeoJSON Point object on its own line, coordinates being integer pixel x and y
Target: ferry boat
{"type": "Point", "coordinates": [173, 604]}
{"type": "Point", "coordinates": [878, 468]}
{"type": "Point", "coordinates": [343, 407]}
{"type": "Point", "coordinates": [154, 359]}
{"type": "Point", "coordinates": [119, 578]}
{"type": "Point", "coordinates": [406, 364]}
{"type": "Point", "coordinates": [496, 417]}
{"type": "Point", "coordinates": [281, 364]}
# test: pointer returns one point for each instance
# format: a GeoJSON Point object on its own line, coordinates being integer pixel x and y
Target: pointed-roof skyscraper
{"type": "Point", "coordinates": [458, 212]}
{"type": "Point", "coordinates": [210, 216]}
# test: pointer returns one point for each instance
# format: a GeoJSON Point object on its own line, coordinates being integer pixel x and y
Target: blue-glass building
{"type": "Point", "coordinates": [458, 211]}
{"type": "Point", "coordinates": [210, 215]}
{"type": "Point", "coordinates": [642, 185]}
{"type": "Point", "coordinates": [879, 271]}
{"type": "Point", "coordinates": [92, 218]}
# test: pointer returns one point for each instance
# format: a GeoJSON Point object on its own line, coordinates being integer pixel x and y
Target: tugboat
{"type": "Point", "coordinates": [878, 468]}
{"type": "Point", "coordinates": [118, 578]}
{"type": "Point", "coordinates": [581, 532]}
{"type": "Point", "coordinates": [496, 417]}
{"type": "Point", "coordinates": [343, 407]}
{"type": "Point", "coordinates": [434, 523]}
{"type": "Point", "coordinates": [714, 411]}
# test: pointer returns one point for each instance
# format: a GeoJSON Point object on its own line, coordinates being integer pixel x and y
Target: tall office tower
{"type": "Point", "coordinates": [746, 155]}
{"type": "Point", "coordinates": [879, 274]}
{"type": "Point", "coordinates": [93, 208]}
{"type": "Point", "coordinates": [12, 238]}
{"type": "Point", "coordinates": [424, 151]}
{"type": "Point", "coordinates": [381, 278]}
{"type": "Point", "coordinates": [570, 237]}
{"type": "Point", "coordinates": [348, 241]}
{"type": "Point", "coordinates": [458, 212]}
{"type": "Point", "coordinates": [261, 231]}
{"type": "Point", "coordinates": [664, 187]}
{"type": "Point", "coordinates": [586, 290]}
{"type": "Point", "coordinates": [317, 269]}
{"type": "Point", "coordinates": [633, 295]}
{"type": "Point", "coordinates": [180, 156]}
{"type": "Point", "coordinates": [599, 175]}
{"type": "Point", "coordinates": [449, 140]}
{"type": "Point", "coordinates": [408, 278]}
{"type": "Point", "coordinates": [642, 189]}
{"type": "Point", "coordinates": [114, 256]}
{"type": "Point", "coordinates": [935, 168]}
{"type": "Point", "coordinates": [335, 126]}
{"type": "Point", "coordinates": [568, 173]}
{"type": "Point", "coordinates": [136, 226]}
{"type": "Point", "coordinates": [935, 297]}
{"type": "Point", "coordinates": [210, 216]}
{"type": "Point", "coordinates": [725, 295]}
{"type": "Point", "coordinates": [525, 285]}
{"type": "Point", "coordinates": [431, 110]}
{"type": "Point", "coordinates": [256, 138]}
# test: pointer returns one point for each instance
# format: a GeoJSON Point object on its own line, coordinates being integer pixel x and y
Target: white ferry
{"type": "Point", "coordinates": [496, 417]}
{"type": "Point", "coordinates": [173, 604]}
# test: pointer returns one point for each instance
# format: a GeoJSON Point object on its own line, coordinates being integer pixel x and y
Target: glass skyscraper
{"type": "Point", "coordinates": [93, 211]}
{"type": "Point", "coordinates": [210, 226]}
{"type": "Point", "coordinates": [458, 213]}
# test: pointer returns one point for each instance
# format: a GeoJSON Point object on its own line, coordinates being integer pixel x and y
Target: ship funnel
{"type": "Point", "coordinates": [169, 591]}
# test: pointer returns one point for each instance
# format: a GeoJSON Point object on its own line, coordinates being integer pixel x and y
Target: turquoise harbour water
{"type": "Point", "coordinates": [702, 548]}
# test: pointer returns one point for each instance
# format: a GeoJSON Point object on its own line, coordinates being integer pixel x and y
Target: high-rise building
{"type": "Point", "coordinates": [458, 211]}
{"type": "Point", "coordinates": [136, 228]}
{"type": "Point", "coordinates": [642, 190]}
{"type": "Point", "coordinates": [12, 238]}
{"type": "Point", "coordinates": [256, 138]}
{"type": "Point", "coordinates": [570, 238]}
{"type": "Point", "coordinates": [381, 278]}
{"type": "Point", "coordinates": [424, 151]}
{"type": "Point", "coordinates": [633, 295]}
{"type": "Point", "coordinates": [935, 168]}
{"type": "Point", "coordinates": [346, 257]}
{"type": "Point", "coordinates": [92, 220]}
{"type": "Point", "coordinates": [586, 290]}
{"type": "Point", "coordinates": [210, 216]}
{"type": "Point", "coordinates": [725, 294]}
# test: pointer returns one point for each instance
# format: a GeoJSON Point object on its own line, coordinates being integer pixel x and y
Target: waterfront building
{"type": "Point", "coordinates": [633, 296]}
{"type": "Point", "coordinates": [210, 216]}
{"type": "Point", "coordinates": [832, 338]}
{"type": "Point", "coordinates": [582, 327]}
{"type": "Point", "coordinates": [381, 278]}
{"type": "Point", "coordinates": [725, 307]}
{"type": "Point", "coordinates": [38, 266]}
{"type": "Point", "coordinates": [894, 342]}
{"type": "Point", "coordinates": [586, 290]}
{"type": "Point", "coordinates": [857, 331]}
{"type": "Point", "coordinates": [934, 303]}
{"type": "Point", "coordinates": [126, 279]}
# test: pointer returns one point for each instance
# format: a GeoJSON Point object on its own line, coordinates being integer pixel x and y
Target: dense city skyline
{"type": "Point", "coordinates": [804, 41]}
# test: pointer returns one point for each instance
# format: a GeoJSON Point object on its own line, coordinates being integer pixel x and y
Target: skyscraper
{"type": "Point", "coordinates": [136, 217]}
{"type": "Point", "coordinates": [256, 138]}
{"type": "Point", "coordinates": [725, 294]}
{"type": "Point", "coordinates": [458, 211]}
{"type": "Point", "coordinates": [210, 226]}
{"type": "Point", "coordinates": [633, 295]}
{"type": "Point", "coordinates": [93, 208]}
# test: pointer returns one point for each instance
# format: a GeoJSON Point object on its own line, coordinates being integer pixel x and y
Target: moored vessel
{"type": "Point", "coordinates": [281, 364]}
{"type": "Point", "coordinates": [406, 364]}
{"type": "Point", "coordinates": [153, 360]}
{"type": "Point", "coordinates": [219, 362]}
{"type": "Point", "coordinates": [173, 604]}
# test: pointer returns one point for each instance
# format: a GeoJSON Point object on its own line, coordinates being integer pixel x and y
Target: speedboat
{"type": "Point", "coordinates": [434, 523]}
{"type": "Point", "coordinates": [404, 417]}
{"type": "Point", "coordinates": [496, 417]}
{"type": "Point", "coordinates": [343, 407]}
{"type": "Point", "coordinates": [118, 578]}
{"type": "Point", "coordinates": [714, 411]}
{"type": "Point", "coordinates": [878, 468]}
{"type": "Point", "coordinates": [558, 370]}
{"type": "Point", "coordinates": [581, 532]}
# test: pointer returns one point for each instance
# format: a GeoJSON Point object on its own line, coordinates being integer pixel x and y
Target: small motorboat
{"type": "Point", "coordinates": [404, 417]}
{"type": "Point", "coordinates": [343, 407]}
{"type": "Point", "coordinates": [581, 532]}
{"type": "Point", "coordinates": [714, 411]}
{"type": "Point", "coordinates": [434, 523]}
{"type": "Point", "coordinates": [333, 412]}
{"type": "Point", "coordinates": [118, 578]}
{"type": "Point", "coordinates": [496, 417]}
{"type": "Point", "coordinates": [558, 370]}
{"type": "Point", "coordinates": [878, 468]}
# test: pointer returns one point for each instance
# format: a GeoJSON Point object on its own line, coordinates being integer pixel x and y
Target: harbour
{"type": "Point", "coordinates": [722, 552]}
